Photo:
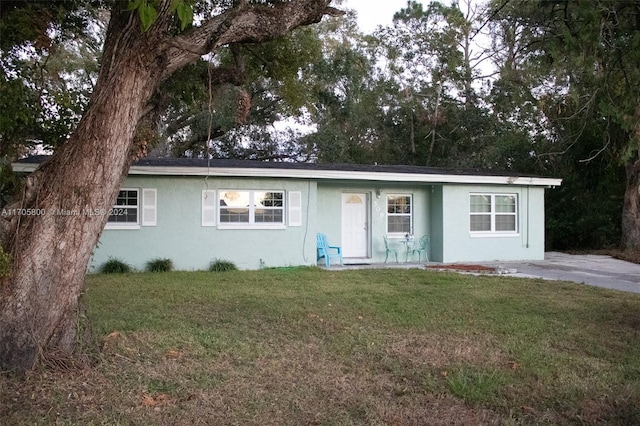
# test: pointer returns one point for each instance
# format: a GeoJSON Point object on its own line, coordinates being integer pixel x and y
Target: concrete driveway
{"type": "Point", "coordinates": [595, 270]}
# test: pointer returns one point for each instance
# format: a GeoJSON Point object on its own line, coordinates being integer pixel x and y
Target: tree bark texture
{"type": "Point", "coordinates": [630, 239]}
{"type": "Point", "coordinates": [631, 209]}
{"type": "Point", "coordinates": [51, 250]}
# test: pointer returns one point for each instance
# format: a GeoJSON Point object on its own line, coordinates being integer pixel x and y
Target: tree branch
{"type": "Point", "coordinates": [598, 152]}
{"type": "Point", "coordinates": [244, 23]}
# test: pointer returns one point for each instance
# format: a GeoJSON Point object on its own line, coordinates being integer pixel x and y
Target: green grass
{"type": "Point", "coordinates": [301, 346]}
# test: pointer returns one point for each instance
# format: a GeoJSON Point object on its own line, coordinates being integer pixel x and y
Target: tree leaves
{"type": "Point", "coordinates": [148, 13]}
{"type": "Point", "coordinates": [579, 65]}
{"type": "Point", "coordinates": [184, 12]}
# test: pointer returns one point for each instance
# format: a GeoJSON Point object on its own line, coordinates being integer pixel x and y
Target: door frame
{"type": "Point", "coordinates": [368, 233]}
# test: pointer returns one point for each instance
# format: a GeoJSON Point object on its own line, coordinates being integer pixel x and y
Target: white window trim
{"type": "Point", "coordinates": [251, 224]}
{"type": "Point", "coordinates": [129, 226]}
{"type": "Point", "coordinates": [493, 213]}
{"type": "Point", "coordinates": [387, 214]}
{"type": "Point", "coordinates": [486, 234]}
{"type": "Point", "coordinates": [113, 226]}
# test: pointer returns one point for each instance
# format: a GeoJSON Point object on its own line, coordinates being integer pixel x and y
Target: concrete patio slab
{"type": "Point", "coordinates": [596, 270]}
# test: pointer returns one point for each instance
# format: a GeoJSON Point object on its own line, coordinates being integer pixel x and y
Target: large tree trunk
{"type": "Point", "coordinates": [51, 249]}
{"type": "Point", "coordinates": [631, 209]}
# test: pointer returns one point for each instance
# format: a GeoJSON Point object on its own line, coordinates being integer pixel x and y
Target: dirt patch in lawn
{"type": "Point", "coordinates": [442, 350]}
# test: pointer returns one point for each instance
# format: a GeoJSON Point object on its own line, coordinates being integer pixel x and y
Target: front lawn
{"type": "Point", "coordinates": [309, 346]}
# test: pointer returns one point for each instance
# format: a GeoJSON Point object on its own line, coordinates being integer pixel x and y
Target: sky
{"type": "Point", "coordinates": [372, 13]}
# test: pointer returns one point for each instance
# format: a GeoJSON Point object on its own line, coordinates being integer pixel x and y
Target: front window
{"type": "Point", "coordinates": [259, 208]}
{"type": "Point", "coordinates": [493, 213]}
{"type": "Point", "coordinates": [269, 207]}
{"type": "Point", "coordinates": [125, 210]}
{"type": "Point", "coordinates": [234, 206]}
{"type": "Point", "coordinates": [399, 214]}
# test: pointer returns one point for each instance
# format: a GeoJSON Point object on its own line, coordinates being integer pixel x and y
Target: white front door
{"type": "Point", "coordinates": [355, 229]}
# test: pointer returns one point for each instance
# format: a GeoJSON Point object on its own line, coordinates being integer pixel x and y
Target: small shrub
{"type": "Point", "coordinates": [160, 265]}
{"type": "Point", "coordinates": [222, 266]}
{"type": "Point", "coordinates": [115, 266]}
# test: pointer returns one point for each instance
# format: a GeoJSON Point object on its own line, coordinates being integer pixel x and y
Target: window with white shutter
{"type": "Point", "coordinates": [209, 201]}
{"type": "Point", "coordinates": [149, 207]}
{"type": "Point", "coordinates": [295, 208]}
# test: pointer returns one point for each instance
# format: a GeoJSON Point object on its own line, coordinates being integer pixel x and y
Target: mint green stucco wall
{"type": "Point", "coordinates": [330, 209]}
{"type": "Point", "coordinates": [459, 245]}
{"type": "Point", "coordinates": [180, 236]}
{"type": "Point", "coordinates": [436, 229]}
{"type": "Point", "coordinates": [439, 210]}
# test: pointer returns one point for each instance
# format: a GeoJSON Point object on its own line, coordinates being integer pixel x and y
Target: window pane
{"type": "Point", "coordinates": [269, 199]}
{"type": "Point", "coordinates": [268, 216]}
{"type": "Point", "coordinates": [273, 207]}
{"type": "Point", "coordinates": [236, 215]}
{"type": "Point", "coordinates": [251, 207]}
{"type": "Point", "coordinates": [480, 203]}
{"type": "Point", "coordinates": [396, 224]}
{"type": "Point", "coordinates": [126, 208]}
{"type": "Point", "coordinates": [234, 206]}
{"type": "Point", "coordinates": [234, 198]}
{"type": "Point", "coordinates": [505, 204]}
{"type": "Point", "coordinates": [124, 215]}
{"type": "Point", "coordinates": [132, 198]}
{"type": "Point", "coordinates": [399, 204]}
{"type": "Point", "coordinates": [127, 198]}
{"type": "Point", "coordinates": [406, 205]}
{"type": "Point", "coordinates": [480, 222]}
{"type": "Point", "coordinates": [505, 222]}
{"type": "Point", "coordinates": [399, 214]}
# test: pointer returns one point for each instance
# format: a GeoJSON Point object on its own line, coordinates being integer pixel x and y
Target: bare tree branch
{"type": "Point", "coordinates": [598, 152]}
{"type": "Point", "coordinates": [244, 23]}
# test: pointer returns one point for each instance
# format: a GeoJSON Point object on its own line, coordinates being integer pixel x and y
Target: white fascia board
{"type": "Point", "coordinates": [24, 167]}
{"type": "Point", "coordinates": [343, 175]}
{"type": "Point", "coordinates": [325, 174]}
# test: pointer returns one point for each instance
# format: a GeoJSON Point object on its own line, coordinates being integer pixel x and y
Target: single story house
{"type": "Point", "coordinates": [267, 214]}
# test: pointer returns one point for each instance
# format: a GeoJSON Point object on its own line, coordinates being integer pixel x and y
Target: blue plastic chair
{"type": "Point", "coordinates": [423, 246]}
{"type": "Point", "coordinates": [389, 250]}
{"type": "Point", "coordinates": [324, 250]}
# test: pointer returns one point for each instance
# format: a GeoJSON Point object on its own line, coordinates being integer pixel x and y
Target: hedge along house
{"type": "Point", "coordinates": [267, 214]}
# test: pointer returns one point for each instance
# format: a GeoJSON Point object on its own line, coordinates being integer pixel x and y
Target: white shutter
{"type": "Point", "coordinates": [208, 207]}
{"type": "Point", "coordinates": [149, 207]}
{"type": "Point", "coordinates": [295, 208]}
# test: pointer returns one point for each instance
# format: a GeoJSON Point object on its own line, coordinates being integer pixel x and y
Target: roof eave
{"type": "Point", "coordinates": [325, 175]}
{"type": "Point", "coordinates": [24, 167]}
{"type": "Point", "coordinates": [342, 175]}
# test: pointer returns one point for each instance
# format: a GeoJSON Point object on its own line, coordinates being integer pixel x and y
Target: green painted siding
{"type": "Point", "coordinates": [439, 210]}
{"type": "Point", "coordinates": [437, 227]}
{"type": "Point", "coordinates": [180, 236]}
{"type": "Point", "coordinates": [329, 218]}
{"type": "Point", "coordinates": [459, 245]}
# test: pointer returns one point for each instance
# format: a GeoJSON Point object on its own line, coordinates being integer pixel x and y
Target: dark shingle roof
{"type": "Point", "coordinates": [252, 164]}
